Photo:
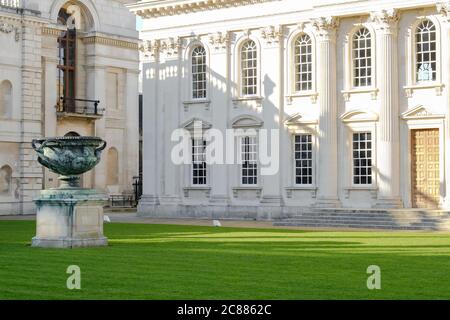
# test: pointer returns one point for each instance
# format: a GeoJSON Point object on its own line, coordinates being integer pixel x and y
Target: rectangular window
{"type": "Point", "coordinates": [249, 161]}
{"type": "Point", "coordinates": [303, 159]}
{"type": "Point", "coordinates": [362, 158]}
{"type": "Point", "coordinates": [198, 162]}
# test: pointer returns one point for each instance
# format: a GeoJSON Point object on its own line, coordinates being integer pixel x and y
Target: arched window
{"type": "Point", "coordinates": [249, 68]}
{"type": "Point", "coordinates": [5, 99]}
{"type": "Point", "coordinates": [199, 73]}
{"type": "Point", "coordinates": [67, 47]}
{"type": "Point", "coordinates": [303, 63]}
{"type": "Point", "coordinates": [425, 51]}
{"type": "Point", "coordinates": [112, 164]}
{"type": "Point", "coordinates": [5, 180]}
{"type": "Point", "coordinates": [362, 58]}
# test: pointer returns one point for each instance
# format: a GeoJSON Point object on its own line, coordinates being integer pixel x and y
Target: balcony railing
{"type": "Point", "coordinates": [80, 107]}
{"type": "Point", "coordinates": [11, 3]}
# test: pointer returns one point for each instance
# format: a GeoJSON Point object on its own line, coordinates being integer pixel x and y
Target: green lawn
{"type": "Point", "coordinates": [184, 262]}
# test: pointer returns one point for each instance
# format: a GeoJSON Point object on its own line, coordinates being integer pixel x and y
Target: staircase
{"type": "Point", "coordinates": [398, 219]}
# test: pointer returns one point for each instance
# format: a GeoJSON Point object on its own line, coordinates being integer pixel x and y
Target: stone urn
{"type": "Point", "coordinates": [69, 216]}
{"type": "Point", "coordinates": [69, 156]}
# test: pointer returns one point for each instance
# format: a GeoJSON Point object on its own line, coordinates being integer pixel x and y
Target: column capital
{"type": "Point", "coordinates": [444, 9]}
{"type": "Point", "coordinates": [150, 48]}
{"type": "Point", "coordinates": [272, 34]}
{"type": "Point", "coordinates": [385, 19]}
{"type": "Point", "coordinates": [326, 27]}
{"type": "Point", "coordinates": [219, 40]}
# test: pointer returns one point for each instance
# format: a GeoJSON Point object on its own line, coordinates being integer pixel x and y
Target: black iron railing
{"type": "Point", "coordinates": [137, 187]}
{"type": "Point", "coordinates": [80, 106]}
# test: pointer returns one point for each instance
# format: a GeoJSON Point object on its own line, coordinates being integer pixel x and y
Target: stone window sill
{"type": "Point", "coordinates": [409, 90]}
{"type": "Point", "coordinates": [311, 188]}
{"type": "Point", "coordinates": [257, 99]}
{"type": "Point", "coordinates": [200, 102]}
{"type": "Point", "coordinates": [348, 93]}
{"type": "Point", "coordinates": [301, 94]}
{"type": "Point", "coordinates": [370, 188]}
{"type": "Point", "coordinates": [249, 188]}
{"type": "Point", "coordinates": [206, 189]}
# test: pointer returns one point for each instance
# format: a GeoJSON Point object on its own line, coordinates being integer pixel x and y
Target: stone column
{"type": "Point", "coordinates": [326, 84]}
{"type": "Point", "coordinates": [50, 101]}
{"type": "Point", "coordinates": [169, 117]}
{"type": "Point", "coordinates": [388, 149]}
{"type": "Point", "coordinates": [31, 172]}
{"type": "Point", "coordinates": [444, 9]}
{"type": "Point", "coordinates": [271, 87]}
{"type": "Point", "coordinates": [131, 146]}
{"type": "Point", "coordinates": [96, 90]}
{"type": "Point", "coordinates": [220, 104]}
{"type": "Point", "coordinates": [151, 128]}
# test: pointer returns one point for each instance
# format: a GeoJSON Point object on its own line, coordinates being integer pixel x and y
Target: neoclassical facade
{"type": "Point", "coordinates": [359, 92]}
{"type": "Point", "coordinates": [67, 67]}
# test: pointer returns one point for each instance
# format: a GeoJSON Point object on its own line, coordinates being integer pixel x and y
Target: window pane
{"type": "Point", "coordinates": [362, 158]}
{"type": "Point", "coordinates": [303, 159]}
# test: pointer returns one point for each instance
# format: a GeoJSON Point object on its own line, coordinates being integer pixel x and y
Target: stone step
{"type": "Point", "coordinates": [388, 219]}
{"type": "Point", "coordinates": [365, 226]}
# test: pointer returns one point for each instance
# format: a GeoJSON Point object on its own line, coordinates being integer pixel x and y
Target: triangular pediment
{"type": "Point", "coordinates": [196, 123]}
{"type": "Point", "coordinates": [420, 112]}
{"type": "Point", "coordinates": [359, 115]}
{"type": "Point", "coordinates": [246, 121]}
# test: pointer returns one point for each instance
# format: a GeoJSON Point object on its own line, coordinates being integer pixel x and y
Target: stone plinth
{"type": "Point", "coordinates": [69, 218]}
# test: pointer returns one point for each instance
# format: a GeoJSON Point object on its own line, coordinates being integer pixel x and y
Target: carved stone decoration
{"type": "Point", "coordinates": [271, 34]}
{"type": "Point", "coordinates": [171, 46]}
{"type": "Point", "coordinates": [385, 19]}
{"type": "Point", "coordinates": [325, 26]}
{"type": "Point", "coordinates": [444, 9]}
{"type": "Point", "coordinates": [219, 40]}
{"type": "Point", "coordinates": [5, 27]}
{"type": "Point", "coordinates": [150, 48]}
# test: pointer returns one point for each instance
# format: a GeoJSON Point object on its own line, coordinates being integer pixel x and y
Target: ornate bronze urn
{"type": "Point", "coordinates": [69, 156]}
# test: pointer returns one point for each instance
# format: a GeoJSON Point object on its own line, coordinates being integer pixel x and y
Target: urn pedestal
{"type": "Point", "coordinates": [70, 218]}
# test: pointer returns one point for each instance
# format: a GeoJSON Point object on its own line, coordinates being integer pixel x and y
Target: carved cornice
{"type": "Point", "coordinates": [146, 9]}
{"type": "Point", "coordinates": [111, 42]}
{"type": "Point", "coordinates": [51, 31]}
{"type": "Point", "coordinates": [326, 26]}
{"type": "Point", "coordinates": [272, 35]}
{"type": "Point", "coordinates": [219, 40]}
{"type": "Point", "coordinates": [385, 19]}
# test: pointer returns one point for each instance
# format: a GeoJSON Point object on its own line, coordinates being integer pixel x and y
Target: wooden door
{"type": "Point", "coordinates": [425, 168]}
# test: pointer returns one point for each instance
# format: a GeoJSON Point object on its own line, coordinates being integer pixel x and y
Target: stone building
{"type": "Point", "coordinates": [67, 67]}
{"type": "Point", "coordinates": [359, 91]}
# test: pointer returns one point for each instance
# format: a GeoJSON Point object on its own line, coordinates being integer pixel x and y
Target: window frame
{"type": "Point", "coordinates": [294, 63]}
{"type": "Point", "coordinates": [255, 69]}
{"type": "Point", "coordinates": [411, 84]}
{"type": "Point", "coordinates": [191, 73]}
{"type": "Point", "coordinates": [206, 176]}
{"type": "Point", "coordinates": [237, 74]}
{"type": "Point", "coordinates": [241, 161]}
{"type": "Point", "coordinates": [313, 160]}
{"type": "Point", "coordinates": [352, 58]}
{"type": "Point", "coordinates": [352, 159]}
{"type": "Point", "coordinates": [415, 52]}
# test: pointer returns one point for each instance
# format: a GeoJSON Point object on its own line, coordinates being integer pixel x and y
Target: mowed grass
{"type": "Point", "coordinates": [187, 262]}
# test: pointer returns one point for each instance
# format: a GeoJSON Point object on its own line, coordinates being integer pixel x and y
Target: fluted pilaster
{"type": "Point", "coordinates": [326, 83]}
{"type": "Point", "coordinates": [386, 24]}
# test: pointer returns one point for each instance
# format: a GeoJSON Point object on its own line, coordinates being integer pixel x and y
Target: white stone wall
{"type": "Point", "coordinates": [29, 58]}
{"type": "Point", "coordinates": [333, 109]}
